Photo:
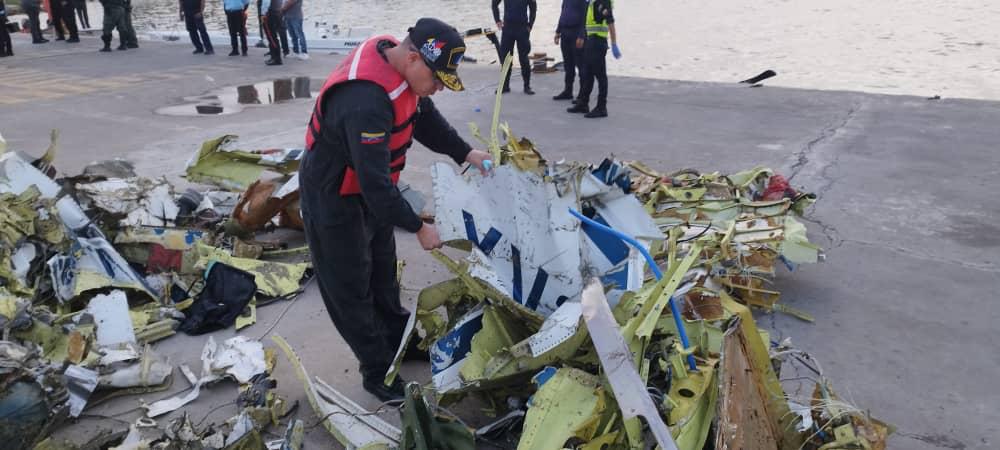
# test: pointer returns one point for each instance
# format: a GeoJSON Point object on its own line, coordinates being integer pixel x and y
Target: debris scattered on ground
{"type": "Point", "coordinates": [608, 306]}
{"type": "Point", "coordinates": [96, 267]}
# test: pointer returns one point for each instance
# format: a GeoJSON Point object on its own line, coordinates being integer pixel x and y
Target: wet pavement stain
{"type": "Point", "coordinates": [234, 99]}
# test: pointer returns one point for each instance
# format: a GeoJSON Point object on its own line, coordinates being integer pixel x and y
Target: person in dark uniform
{"type": "Point", "coordinates": [81, 13]}
{"type": "Point", "coordinates": [274, 29]}
{"type": "Point", "coordinates": [63, 17]}
{"type": "Point", "coordinates": [114, 17]}
{"type": "Point", "coordinates": [600, 24]}
{"type": "Point", "coordinates": [518, 18]}
{"type": "Point", "coordinates": [6, 48]}
{"type": "Point", "coordinates": [32, 8]}
{"type": "Point", "coordinates": [366, 115]}
{"type": "Point", "coordinates": [128, 38]}
{"type": "Point", "coordinates": [192, 13]}
{"type": "Point", "coordinates": [569, 30]}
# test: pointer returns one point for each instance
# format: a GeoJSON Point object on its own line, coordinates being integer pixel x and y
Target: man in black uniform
{"type": "Point", "coordinates": [192, 13]}
{"type": "Point", "coordinates": [32, 8]}
{"type": "Point", "coordinates": [600, 24]}
{"type": "Point", "coordinates": [518, 18]}
{"type": "Point", "coordinates": [62, 16]}
{"type": "Point", "coordinates": [350, 204]}
{"type": "Point", "coordinates": [569, 30]}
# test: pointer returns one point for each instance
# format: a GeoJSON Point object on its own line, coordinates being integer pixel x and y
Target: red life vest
{"type": "Point", "coordinates": [365, 63]}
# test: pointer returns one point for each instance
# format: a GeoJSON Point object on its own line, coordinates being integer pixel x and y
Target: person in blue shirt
{"type": "Point", "coordinates": [6, 49]}
{"type": "Point", "coordinates": [518, 18]}
{"type": "Point", "coordinates": [236, 20]}
{"type": "Point", "coordinates": [569, 30]}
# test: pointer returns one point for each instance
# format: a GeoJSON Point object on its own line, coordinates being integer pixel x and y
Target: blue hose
{"type": "Point", "coordinates": [678, 320]}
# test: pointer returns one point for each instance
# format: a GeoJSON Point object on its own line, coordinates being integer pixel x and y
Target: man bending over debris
{"type": "Point", "coordinates": [367, 114]}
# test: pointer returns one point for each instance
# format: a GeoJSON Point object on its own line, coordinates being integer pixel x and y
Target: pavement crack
{"type": "Point", "coordinates": [803, 156]}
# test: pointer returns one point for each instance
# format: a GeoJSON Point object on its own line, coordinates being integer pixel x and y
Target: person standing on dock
{"type": "Point", "coordinates": [6, 49]}
{"type": "Point", "coordinates": [600, 24]}
{"type": "Point", "coordinates": [274, 28]}
{"type": "Point", "coordinates": [192, 13]}
{"type": "Point", "coordinates": [518, 18]}
{"type": "Point", "coordinates": [369, 111]}
{"type": "Point", "coordinates": [292, 12]}
{"type": "Point", "coordinates": [236, 21]}
{"type": "Point", "coordinates": [569, 30]}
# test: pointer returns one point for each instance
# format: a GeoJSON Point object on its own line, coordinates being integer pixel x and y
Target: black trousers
{"type": "Point", "coordinates": [64, 19]}
{"type": "Point", "coordinates": [6, 48]}
{"type": "Point", "coordinates": [594, 52]}
{"type": "Point", "coordinates": [81, 12]}
{"type": "Point", "coordinates": [519, 35]}
{"type": "Point", "coordinates": [237, 23]}
{"type": "Point", "coordinates": [355, 261]}
{"type": "Point", "coordinates": [572, 59]}
{"type": "Point", "coordinates": [274, 29]}
{"type": "Point", "coordinates": [36, 26]}
{"type": "Point", "coordinates": [196, 30]}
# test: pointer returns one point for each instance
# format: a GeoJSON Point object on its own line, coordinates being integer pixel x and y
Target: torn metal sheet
{"type": "Point", "coordinates": [240, 357]}
{"type": "Point", "coordinates": [219, 163]}
{"type": "Point", "coordinates": [350, 424]}
{"type": "Point", "coordinates": [558, 327]}
{"type": "Point", "coordinates": [80, 382]}
{"type": "Point", "coordinates": [168, 238]}
{"type": "Point", "coordinates": [171, 404]}
{"type": "Point", "coordinates": [138, 201]}
{"type": "Point", "coordinates": [568, 404]}
{"type": "Point", "coordinates": [111, 315]}
{"type": "Point", "coordinates": [616, 359]}
{"type": "Point", "coordinates": [93, 263]}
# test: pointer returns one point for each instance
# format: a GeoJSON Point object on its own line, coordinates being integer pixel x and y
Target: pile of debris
{"type": "Point", "coordinates": [96, 267]}
{"type": "Point", "coordinates": [608, 306]}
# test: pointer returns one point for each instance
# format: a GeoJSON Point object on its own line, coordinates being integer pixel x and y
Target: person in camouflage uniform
{"type": "Point", "coordinates": [114, 17]}
{"type": "Point", "coordinates": [129, 39]}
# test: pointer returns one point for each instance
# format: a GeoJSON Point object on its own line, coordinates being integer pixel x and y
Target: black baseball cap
{"type": "Point", "coordinates": [441, 47]}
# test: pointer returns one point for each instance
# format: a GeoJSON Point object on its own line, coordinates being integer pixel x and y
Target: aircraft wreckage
{"type": "Point", "coordinates": [592, 306]}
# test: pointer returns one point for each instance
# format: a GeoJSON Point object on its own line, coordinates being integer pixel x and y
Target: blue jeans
{"type": "Point", "coordinates": [296, 34]}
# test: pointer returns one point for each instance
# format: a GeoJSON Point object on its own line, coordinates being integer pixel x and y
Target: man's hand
{"type": "Point", "coordinates": [500, 25]}
{"type": "Point", "coordinates": [481, 160]}
{"type": "Point", "coordinates": [428, 237]}
{"type": "Point", "coordinates": [579, 42]}
{"type": "Point", "coordinates": [556, 40]}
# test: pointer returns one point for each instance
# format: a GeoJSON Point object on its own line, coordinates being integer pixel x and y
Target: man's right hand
{"type": "Point", "coordinates": [556, 40]}
{"type": "Point", "coordinates": [579, 42]}
{"type": "Point", "coordinates": [500, 25]}
{"type": "Point", "coordinates": [428, 237]}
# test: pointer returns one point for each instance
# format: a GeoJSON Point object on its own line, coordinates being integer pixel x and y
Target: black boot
{"type": "Point", "coordinates": [123, 46]}
{"type": "Point", "coordinates": [601, 110]}
{"type": "Point", "coordinates": [528, 91]}
{"type": "Point", "coordinates": [383, 392]}
{"type": "Point", "coordinates": [566, 94]}
{"type": "Point", "coordinates": [107, 43]}
{"type": "Point", "coordinates": [579, 107]}
{"type": "Point", "coordinates": [234, 52]}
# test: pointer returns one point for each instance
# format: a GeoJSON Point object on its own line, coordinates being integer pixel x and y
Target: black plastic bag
{"type": "Point", "coordinates": [227, 293]}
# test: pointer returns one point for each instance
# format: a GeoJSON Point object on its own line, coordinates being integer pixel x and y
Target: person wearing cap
{"type": "Point", "coordinates": [599, 24]}
{"type": "Point", "coordinates": [365, 118]}
{"type": "Point", "coordinates": [518, 19]}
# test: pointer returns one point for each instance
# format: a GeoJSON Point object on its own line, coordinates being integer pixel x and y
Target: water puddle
{"type": "Point", "coordinates": [233, 99]}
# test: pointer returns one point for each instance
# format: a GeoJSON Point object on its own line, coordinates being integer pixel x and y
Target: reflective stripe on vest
{"type": "Point", "coordinates": [594, 27]}
{"type": "Point", "coordinates": [365, 63]}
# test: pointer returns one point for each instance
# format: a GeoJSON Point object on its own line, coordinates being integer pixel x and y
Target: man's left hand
{"type": "Point", "coordinates": [482, 160]}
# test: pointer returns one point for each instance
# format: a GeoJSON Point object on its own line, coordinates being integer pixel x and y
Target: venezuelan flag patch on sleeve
{"type": "Point", "coordinates": [372, 138]}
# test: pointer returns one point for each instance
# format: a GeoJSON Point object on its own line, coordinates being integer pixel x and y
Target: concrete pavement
{"type": "Point", "coordinates": [907, 209]}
